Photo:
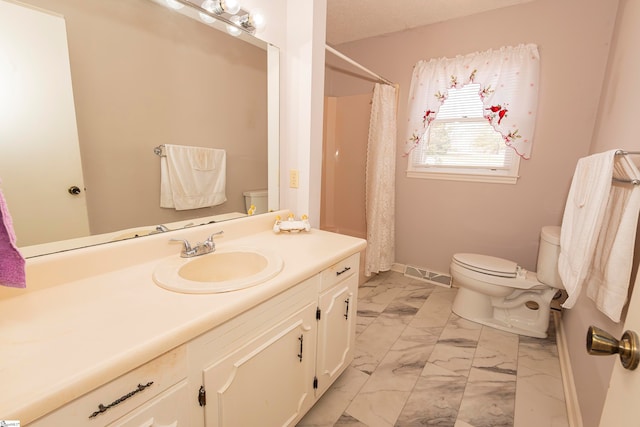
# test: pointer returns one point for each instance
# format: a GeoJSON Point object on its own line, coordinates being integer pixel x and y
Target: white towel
{"type": "Point", "coordinates": [582, 219]}
{"type": "Point", "coordinates": [192, 177]}
{"type": "Point", "coordinates": [608, 279]}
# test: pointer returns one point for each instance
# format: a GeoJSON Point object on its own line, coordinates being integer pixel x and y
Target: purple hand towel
{"type": "Point", "coordinates": [11, 261]}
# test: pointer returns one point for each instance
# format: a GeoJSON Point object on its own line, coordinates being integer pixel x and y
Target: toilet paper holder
{"type": "Point", "coordinates": [602, 343]}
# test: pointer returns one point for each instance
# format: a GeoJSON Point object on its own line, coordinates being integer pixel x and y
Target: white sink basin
{"type": "Point", "coordinates": [224, 270]}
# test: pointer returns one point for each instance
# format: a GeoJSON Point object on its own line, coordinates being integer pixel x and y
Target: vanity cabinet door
{"type": "Point", "coordinates": [267, 382]}
{"type": "Point", "coordinates": [336, 331]}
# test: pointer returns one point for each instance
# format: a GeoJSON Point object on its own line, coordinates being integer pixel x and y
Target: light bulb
{"type": "Point", "coordinates": [258, 21]}
{"type": "Point", "coordinates": [230, 6]}
{"type": "Point", "coordinates": [234, 31]}
{"type": "Point", "coordinates": [173, 4]}
{"type": "Point", "coordinates": [207, 5]}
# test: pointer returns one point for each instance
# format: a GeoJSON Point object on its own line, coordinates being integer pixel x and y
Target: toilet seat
{"type": "Point", "coordinates": [486, 264]}
{"type": "Point", "coordinates": [494, 271]}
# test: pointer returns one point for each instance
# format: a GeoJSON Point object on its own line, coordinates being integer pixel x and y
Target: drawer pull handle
{"type": "Point", "coordinates": [343, 271]}
{"type": "Point", "coordinates": [346, 311]}
{"type": "Point", "coordinates": [103, 408]}
{"type": "Point", "coordinates": [300, 338]}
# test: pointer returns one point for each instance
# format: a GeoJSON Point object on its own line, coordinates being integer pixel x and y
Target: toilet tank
{"type": "Point", "coordinates": [548, 253]}
{"type": "Point", "coordinates": [257, 198]}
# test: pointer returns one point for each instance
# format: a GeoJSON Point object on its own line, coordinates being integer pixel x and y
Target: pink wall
{"type": "Point", "coordinates": [435, 219]}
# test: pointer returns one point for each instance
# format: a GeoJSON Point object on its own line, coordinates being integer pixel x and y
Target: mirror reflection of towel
{"type": "Point", "coordinates": [11, 261]}
{"type": "Point", "coordinates": [192, 177]}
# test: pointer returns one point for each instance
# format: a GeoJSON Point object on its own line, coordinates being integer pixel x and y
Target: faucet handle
{"type": "Point", "coordinates": [186, 248]}
{"type": "Point", "coordinates": [209, 243]}
{"type": "Point", "coordinates": [210, 239]}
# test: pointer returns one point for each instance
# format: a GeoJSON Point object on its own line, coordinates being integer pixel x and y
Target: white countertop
{"type": "Point", "coordinates": [79, 329]}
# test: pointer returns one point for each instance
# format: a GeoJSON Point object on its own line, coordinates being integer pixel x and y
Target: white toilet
{"type": "Point", "coordinates": [501, 294]}
{"type": "Point", "coordinates": [257, 198]}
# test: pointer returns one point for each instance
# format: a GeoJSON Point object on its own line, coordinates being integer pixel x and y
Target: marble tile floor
{"type": "Point", "coordinates": [418, 364]}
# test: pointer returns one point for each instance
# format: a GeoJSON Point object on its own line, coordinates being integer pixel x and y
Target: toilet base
{"type": "Point", "coordinates": [522, 312]}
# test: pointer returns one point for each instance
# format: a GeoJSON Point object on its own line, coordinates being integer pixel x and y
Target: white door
{"type": "Point", "coordinates": [39, 151]}
{"type": "Point", "coordinates": [624, 387]}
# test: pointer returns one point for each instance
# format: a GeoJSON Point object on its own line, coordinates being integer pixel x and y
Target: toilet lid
{"type": "Point", "coordinates": [487, 264]}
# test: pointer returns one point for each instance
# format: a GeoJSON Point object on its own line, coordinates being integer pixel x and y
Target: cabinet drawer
{"type": "Point", "coordinates": [340, 271]}
{"type": "Point", "coordinates": [169, 409]}
{"type": "Point", "coordinates": [118, 397]}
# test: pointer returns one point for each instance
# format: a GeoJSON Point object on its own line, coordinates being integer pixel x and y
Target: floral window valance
{"type": "Point", "coordinates": [508, 80]}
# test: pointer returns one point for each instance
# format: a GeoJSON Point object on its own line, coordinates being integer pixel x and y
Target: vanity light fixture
{"type": "Point", "coordinates": [252, 22]}
{"type": "Point", "coordinates": [225, 6]}
{"type": "Point", "coordinates": [208, 5]}
{"type": "Point", "coordinates": [229, 12]}
{"type": "Point", "coordinates": [234, 30]}
{"type": "Point", "coordinates": [259, 21]}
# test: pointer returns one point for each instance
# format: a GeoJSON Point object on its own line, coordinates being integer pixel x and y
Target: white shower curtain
{"type": "Point", "coordinates": [380, 181]}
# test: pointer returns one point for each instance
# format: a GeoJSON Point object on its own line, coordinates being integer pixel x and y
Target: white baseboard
{"type": "Point", "coordinates": [574, 415]}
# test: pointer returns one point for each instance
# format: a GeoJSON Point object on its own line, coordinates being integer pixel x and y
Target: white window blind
{"type": "Point", "coordinates": [462, 141]}
{"type": "Point", "coordinates": [472, 117]}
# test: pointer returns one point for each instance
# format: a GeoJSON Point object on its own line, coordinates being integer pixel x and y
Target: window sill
{"type": "Point", "coordinates": [494, 179]}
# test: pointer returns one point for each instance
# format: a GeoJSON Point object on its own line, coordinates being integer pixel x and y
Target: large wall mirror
{"type": "Point", "coordinates": [140, 75]}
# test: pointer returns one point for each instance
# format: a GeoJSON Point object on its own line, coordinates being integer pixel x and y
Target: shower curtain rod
{"type": "Point", "coordinates": [352, 62]}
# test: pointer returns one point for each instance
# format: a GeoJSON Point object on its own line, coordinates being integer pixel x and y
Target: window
{"type": "Point", "coordinates": [461, 141]}
{"type": "Point", "coordinates": [472, 117]}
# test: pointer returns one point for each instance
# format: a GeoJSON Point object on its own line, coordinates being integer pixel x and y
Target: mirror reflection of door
{"type": "Point", "coordinates": [38, 128]}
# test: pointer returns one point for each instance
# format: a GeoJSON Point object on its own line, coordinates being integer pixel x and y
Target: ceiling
{"type": "Point", "coordinates": [350, 20]}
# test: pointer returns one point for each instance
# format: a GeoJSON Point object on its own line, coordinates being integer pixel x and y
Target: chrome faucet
{"type": "Point", "coordinates": [159, 229]}
{"type": "Point", "coordinates": [203, 248]}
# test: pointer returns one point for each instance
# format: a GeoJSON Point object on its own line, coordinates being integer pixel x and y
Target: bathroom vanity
{"type": "Point", "coordinates": [98, 343]}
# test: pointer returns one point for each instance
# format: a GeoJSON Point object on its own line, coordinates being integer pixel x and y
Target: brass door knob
{"type": "Point", "coordinates": [602, 343]}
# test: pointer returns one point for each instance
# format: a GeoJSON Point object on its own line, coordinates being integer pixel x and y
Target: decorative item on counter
{"type": "Point", "coordinates": [252, 210]}
{"type": "Point", "coordinates": [291, 225]}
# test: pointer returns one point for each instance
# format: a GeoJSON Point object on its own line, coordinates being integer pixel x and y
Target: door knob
{"type": "Point", "coordinates": [74, 190]}
{"type": "Point", "coordinates": [602, 343]}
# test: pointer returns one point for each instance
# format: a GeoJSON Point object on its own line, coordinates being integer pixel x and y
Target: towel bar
{"type": "Point", "coordinates": [159, 151]}
{"type": "Point", "coordinates": [624, 153]}
{"type": "Point", "coordinates": [626, 181]}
